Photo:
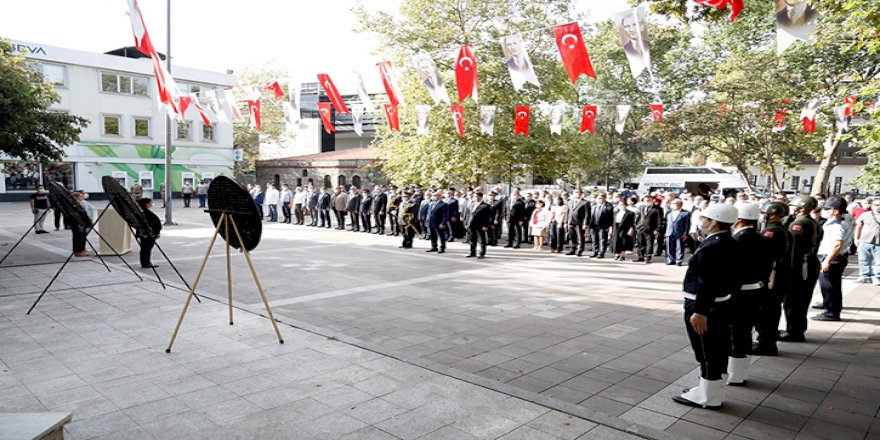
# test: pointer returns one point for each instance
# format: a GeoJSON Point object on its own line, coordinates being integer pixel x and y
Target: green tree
{"type": "Point", "coordinates": [28, 128]}
{"type": "Point", "coordinates": [247, 138]}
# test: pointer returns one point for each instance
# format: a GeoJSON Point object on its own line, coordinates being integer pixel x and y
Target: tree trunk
{"type": "Point", "coordinates": [829, 161]}
{"type": "Point", "coordinates": [744, 171]}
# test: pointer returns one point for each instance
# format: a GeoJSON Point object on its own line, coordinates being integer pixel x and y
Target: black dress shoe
{"type": "Point", "coordinates": [441, 251]}
{"type": "Point", "coordinates": [516, 247]}
{"type": "Point", "coordinates": [764, 350]}
{"type": "Point", "coordinates": [818, 306]}
{"type": "Point", "coordinates": [738, 384]}
{"type": "Point", "coordinates": [431, 250]}
{"type": "Point", "coordinates": [825, 317]}
{"type": "Point", "coordinates": [470, 256]}
{"type": "Point", "coordinates": [148, 266]}
{"type": "Point", "coordinates": [508, 245]}
{"type": "Point", "coordinates": [683, 401]}
{"type": "Point", "coordinates": [570, 253]}
{"type": "Point", "coordinates": [481, 257]}
{"type": "Point", "coordinates": [791, 337]}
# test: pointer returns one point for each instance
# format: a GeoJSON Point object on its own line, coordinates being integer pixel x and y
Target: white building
{"type": "Point", "coordinates": [126, 137]}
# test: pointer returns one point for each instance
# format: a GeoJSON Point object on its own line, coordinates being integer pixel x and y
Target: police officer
{"type": "Point", "coordinates": [478, 225]}
{"type": "Point", "coordinates": [708, 286]}
{"type": "Point", "coordinates": [754, 269]}
{"type": "Point", "coordinates": [804, 268]}
{"type": "Point", "coordinates": [779, 251]}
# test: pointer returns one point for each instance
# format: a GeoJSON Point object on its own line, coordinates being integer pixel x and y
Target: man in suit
{"type": "Point", "coordinates": [147, 242]}
{"type": "Point", "coordinates": [454, 213]}
{"type": "Point", "coordinates": [502, 203]}
{"type": "Point", "coordinates": [314, 197]}
{"type": "Point", "coordinates": [647, 227]}
{"type": "Point", "coordinates": [354, 207]}
{"type": "Point", "coordinates": [495, 219]}
{"type": "Point", "coordinates": [438, 217]}
{"type": "Point", "coordinates": [530, 208]}
{"type": "Point", "coordinates": [366, 211]}
{"type": "Point", "coordinates": [678, 224]}
{"type": "Point", "coordinates": [478, 224]}
{"type": "Point", "coordinates": [424, 202]}
{"type": "Point", "coordinates": [340, 205]}
{"type": "Point", "coordinates": [578, 221]}
{"type": "Point", "coordinates": [324, 207]}
{"type": "Point", "coordinates": [515, 214]}
{"type": "Point", "coordinates": [380, 204]}
{"type": "Point", "coordinates": [601, 220]}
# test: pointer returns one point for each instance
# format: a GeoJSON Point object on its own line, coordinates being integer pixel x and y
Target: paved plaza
{"type": "Point", "coordinates": [384, 343]}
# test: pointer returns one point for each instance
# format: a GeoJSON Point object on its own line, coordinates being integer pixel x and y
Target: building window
{"type": "Point", "coordinates": [795, 182]}
{"type": "Point", "coordinates": [838, 183]}
{"type": "Point", "coordinates": [305, 173]}
{"type": "Point", "coordinates": [848, 153]}
{"type": "Point", "coordinates": [753, 179]}
{"type": "Point", "coordinates": [183, 130]}
{"type": "Point", "coordinates": [208, 133]}
{"type": "Point", "coordinates": [340, 180]}
{"type": "Point", "coordinates": [356, 181]}
{"type": "Point", "coordinates": [111, 125]}
{"type": "Point", "coordinates": [327, 181]}
{"type": "Point", "coordinates": [124, 84]}
{"type": "Point", "coordinates": [768, 184]}
{"type": "Point", "coordinates": [142, 127]}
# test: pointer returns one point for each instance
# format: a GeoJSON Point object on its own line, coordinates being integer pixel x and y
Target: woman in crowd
{"type": "Point", "coordinates": [538, 224]}
{"type": "Point", "coordinates": [624, 226]}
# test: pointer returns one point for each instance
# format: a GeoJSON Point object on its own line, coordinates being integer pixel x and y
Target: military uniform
{"type": "Point", "coordinates": [754, 271]}
{"type": "Point", "coordinates": [770, 306]}
{"type": "Point", "coordinates": [804, 274]}
{"type": "Point", "coordinates": [393, 214]}
{"type": "Point", "coordinates": [408, 217]}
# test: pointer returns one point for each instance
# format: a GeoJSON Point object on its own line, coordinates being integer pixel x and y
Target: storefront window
{"type": "Point", "coordinates": [24, 176]}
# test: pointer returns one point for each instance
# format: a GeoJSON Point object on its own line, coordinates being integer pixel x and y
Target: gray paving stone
{"type": "Point", "coordinates": [407, 426]}
{"type": "Point", "coordinates": [561, 425]}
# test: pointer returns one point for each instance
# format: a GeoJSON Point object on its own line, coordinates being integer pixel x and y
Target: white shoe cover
{"type": "Point", "coordinates": [708, 393]}
{"type": "Point", "coordinates": [737, 370]}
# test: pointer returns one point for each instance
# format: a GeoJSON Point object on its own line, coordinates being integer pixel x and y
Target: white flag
{"type": "Point", "coordinates": [422, 120]}
{"type": "Point", "coordinates": [556, 113]}
{"type": "Point", "coordinates": [810, 109]}
{"type": "Point", "coordinates": [487, 120]}
{"type": "Point", "coordinates": [214, 106]}
{"type": "Point", "coordinates": [840, 116]}
{"type": "Point", "coordinates": [633, 30]}
{"type": "Point", "coordinates": [357, 119]}
{"type": "Point", "coordinates": [518, 63]}
{"type": "Point", "coordinates": [427, 71]}
{"type": "Point", "coordinates": [231, 104]}
{"type": "Point", "coordinates": [795, 20]}
{"type": "Point", "coordinates": [292, 106]}
{"type": "Point", "coordinates": [362, 90]}
{"type": "Point", "coordinates": [620, 117]}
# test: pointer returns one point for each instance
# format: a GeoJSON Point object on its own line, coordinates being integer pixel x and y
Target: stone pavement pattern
{"type": "Point", "coordinates": [590, 338]}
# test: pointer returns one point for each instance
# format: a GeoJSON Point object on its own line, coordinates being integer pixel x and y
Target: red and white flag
{"type": "Point", "coordinates": [204, 116]}
{"type": "Point", "coordinates": [332, 93]}
{"type": "Point", "coordinates": [254, 111]}
{"type": "Point", "coordinates": [326, 114]}
{"type": "Point", "coordinates": [183, 103]}
{"type": "Point", "coordinates": [808, 115]}
{"type": "Point", "coordinates": [458, 119]}
{"type": "Point", "coordinates": [736, 6]}
{"type": "Point", "coordinates": [214, 106]}
{"type": "Point", "coordinates": [779, 121]}
{"type": "Point", "coordinates": [466, 74]}
{"type": "Point", "coordinates": [588, 118]}
{"type": "Point", "coordinates": [521, 121]}
{"type": "Point", "coordinates": [849, 104]}
{"type": "Point", "coordinates": [657, 112]}
{"type": "Point", "coordinates": [390, 83]}
{"type": "Point", "coordinates": [573, 51]}
{"type": "Point", "coordinates": [391, 114]}
{"type": "Point", "coordinates": [231, 104]}
{"type": "Point", "coordinates": [166, 88]}
{"type": "Point", "coordinates": [275, 88]}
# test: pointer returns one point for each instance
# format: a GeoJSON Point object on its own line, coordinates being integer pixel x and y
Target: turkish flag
{"type": "Point", "coordinates": [391, 114]}
{"type": "Point", "coordinates": [808, 115]}
{"type": "Point", "coordinates": [779, 119]}
{"type": "Point", "coordinates": [195, 101]}
{"type": "Point", "coordinates": [657, 112]}
{"type": "Point", "coordinates": [521, 121]}
{"type": "Point", "coordinates": [810, 125]}
{"type": "Point", "coordinates": [849, 104]}
{"type": "Point", "coordinates": [458, 119]}
{"type": "Point", "coordinates": [326, 113]}
{"type": "Point", "coordinates": [254, 110]}
{"type": "Point", "coordinates": [276, 90]}
{"type": "Point", "coordinates": [165, 85]}
{"type": "Point", "coordinates": [332, 93]}
{"type": "Point", "coordinates": [183, 103]}
{"type": "Point", "coordinates": [390, 84]}
{"type": "Point", "coordinates": [574, 53]}
{"type": "Point", "coordinates": [466, 74]}
{"type": "Point", "coordinates": [736, 6]}
{"type": "Point", "coordinates": [588, 118]}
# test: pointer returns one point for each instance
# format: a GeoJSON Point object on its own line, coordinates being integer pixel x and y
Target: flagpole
{"type": "Point", "coordinates": [169, 190]}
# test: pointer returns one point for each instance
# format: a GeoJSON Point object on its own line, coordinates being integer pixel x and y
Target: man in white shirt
{"type": "Point", "coordinates": [286, 196]}
{"type": "Point", "coordinates": [299, 200]}
{"type": "Point", "coordinates": [832, 254]}
{"type": "Point", "coordinates": [272, 198]}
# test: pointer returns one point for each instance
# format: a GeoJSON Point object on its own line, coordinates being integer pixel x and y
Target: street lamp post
{"type": "Point", "coordinates": [169, 191]}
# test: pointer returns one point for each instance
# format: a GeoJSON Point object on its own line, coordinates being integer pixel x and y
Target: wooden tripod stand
{"type": "Point", "coordinates": [225, 220]}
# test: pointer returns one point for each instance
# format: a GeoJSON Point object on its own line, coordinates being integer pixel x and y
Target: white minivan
{"type": "Point", "coordinates": [677, 179]}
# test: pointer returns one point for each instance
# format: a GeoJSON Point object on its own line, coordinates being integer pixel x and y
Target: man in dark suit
{"type": "Point", "coordinates": [678, 224]}
{"type": "Point", "coordinates": [478, 224]}
{"type": "Point", "coordinates": [366, 211]}
{"type": "Point", "coordinates": [578, 221]}
{"type": "Point", "coordinates": [380, 204]}
{"type": "Point", "coordinates": [147, 242]}
{"type": "Point", "coordinates": [495, 219]}
{"type": "Point", "coordinates": [515, 214]}
{"type": "Point", "coordinates": [502, 203]}
{"type": "Point", "coordinates": [454, 213]}
{"type": "Point", "coordinates": [438, 217]}
{"type": "Point", "coordinates": [647, 227]}
{"type": "Point", "coordinates": [354, 207]}
{"type": "Point", "coordinates": [314, 197]}
{"type": "Point", "coordinates": [530, 208]}
{"type": "Point", "coordinates": [601, 220]}
{"type": "Point", "coordinates": [324, 207]}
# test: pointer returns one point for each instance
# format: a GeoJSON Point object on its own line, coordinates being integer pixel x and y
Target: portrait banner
{"type": "Point", "coordinates": [487, 120]}
{"type": "Point", "coordinates": [841, 120]}
{"type": "Point", "coordinates": [556, 118]}
{"type": "Point", "coordinates": [294, 91]}
{"type": "Point", "coordinates": [620, 115]}
{"type": "Point", "coordinates": [423, 120]}
{"type": "Point", "coordinates": [633, 29]}
{"type": "Point", "coordinates": [362, 90]}
{"type": "Point", "coordinates": [214, 106]}
{"type": "Point", "coordinates": [427, 71]}
{"type": "Point", "coordinates": [357, 119]}
{"type": "Point", "coordinates": [518, 62]}
{"type": "Point", "coordinates": [795, 21]}
{"type": "Point", "coordinates": [231, 104]}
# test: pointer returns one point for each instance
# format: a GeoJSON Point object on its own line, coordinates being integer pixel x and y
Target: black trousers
{"type": "Point", "coordinates": [646, 244]}
{"type": "Point", "coordinates": [578, 241]}
{"type": "Point", "coordinates": [438, 234]}
{"type": "Point", "coordinates": [187, 198]}
{"type": "Point", "coordinates": [475, 234]}
{"type": "Point", "coordinates": [365, 222]}
{"type": "Point", "coordinates": [514, 232]}
{"type": "Point", "coordinates": [380, 222]}
{"type": "Point", "coordinates": [355, 221]}
{"type": "Point", "coordinates": [524, 232]}
{"type": "Point", "coordinates": [298, 212]}
{"type": "Point", "coordinates": [742, 320]}
{"type": "Point", "coordinates": [285, 212]}
{"type": "Point", "coordinates": [831, 284]}
{"type": "Point", "coordinates": [325, 218]}
{"type": "Point", "coordinates": [797, 301]}
{"type": "Point", "coordinates": [599, 237]}
{"type": "Point", "coordinates": [551, 229]}
{"type": "Point", "coordinates": [79, 240]}
{"type": "Point", "coordinates": [147, 244]}
{"type": "Point", "coordinates": [392, 220]}
{"type": "Point", "coordinates": [494, 234]}
{"type": "Point", "coordinates": [713, 346]}
{"type": "Point", "coordinates": [769, 311]}
{"type": "Point", "coordinates": [661, 243]}
{"type": "Point", "coordinates": [340, 218]}
{"type": "Point", "coordinates": [409, 233]}
{"type": "Point", "coordinates": [560, 237]}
